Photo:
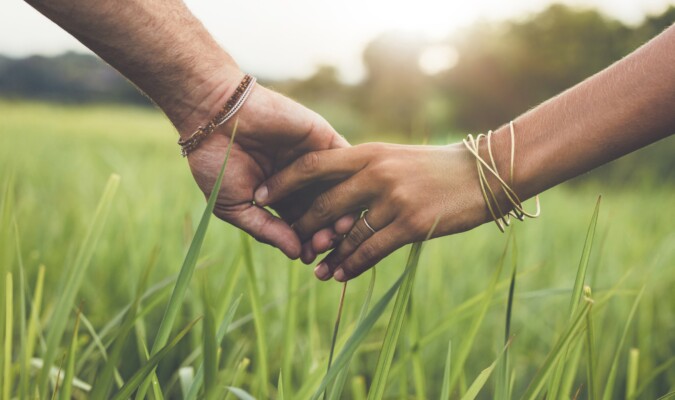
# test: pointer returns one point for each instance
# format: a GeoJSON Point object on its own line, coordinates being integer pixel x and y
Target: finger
{"type": "Point", "coordinates": [327, 238]}
{"type": "Point", "coordinates": [311, 167]}
{"type": "Point", "coordinates": [323, 240]}
{"type": "Point", "coordinates": [264, 227]}
{"type": "Point", "coordinates": [307, 254]}
{"type": "Point", "coordinates": [357, 235]}
{"type": "Point", "coordinates": [370, 252]}
{"type": "Point", "coordinates": [347, 197]}
{"type": "Point", "coordinates": [344, 224]}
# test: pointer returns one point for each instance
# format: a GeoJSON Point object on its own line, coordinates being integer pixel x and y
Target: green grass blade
{"type": "Point", "coordinates": [241, 394]}
{"type": "Point", "coordinates": [336, 328]}
{"type": "Point", "coordinates": [481, 379]}
{"type": "Point", "coordinates": [280, 386]}
{"type": "Point", "coordinates": [73, 280]}
{"type": "Point", "coordinates": [58, 378]}
{"type": "Point", "coordinates": [154, 296]}
{"type": "Point", "coordinates": [188, 267]}
{"type": "Point", "coordinates": [418, 372]}
{"type": "Point", "coordinates": [590, 352]}
{"type": "Point", "coordinates": [583, 263]}
{"type": "Point", "coordinates": [67, 385]}
{"type": "Point", "coordinates": [210, 346]}
{"type": "Point", "coordinates": [445, 388]}
{"type": "Point", "coordinates": [666, 366]}
{"type": "Point", "coordinates": [464, 310]}
{"type": "Point", "coordinates": [362, 330]}
{"type": "Point", "coordinates": [395, 322]}
{"type": "Point", "coordinates": [572, 364]}
{"type": "Point", "coordinates": [338, 386]}
{"type": "Point", "coordinates": [289, 349]}
{"type": "Point", "coordinates": [394, 328]}
{"type": "Point", "coordinates": [9, 319]}
{"type": "Point", "coordinates": [609, 387]}
{"type": "Point", "coordinates": [258, 318]}
{"type": "Point", "coordinates": [668, 396]}
{"type": "Point", "coordinates": [222, 330]}
{"type": "Point", "coordinates": [34, 322]}
{"type": "Point", "coordinates": [632, 373]}
{"type": "Point", "coordinates": [554, 355]}
{"type": "Point", "coordinates": [104, 381]}
{"type": "Point", "coordinates": [555, 383]}
{"type": "Point", "coordinates": [139, 376]}
{"type": "Point", "coordinates": [359, 388]}
{"type": "Point", "coordinates": [186, 377]}
{"type": "Point", "coordinates": [6, 258]}
{"type": "Point", "coordinates": [502, 384]}
{"type": "Point", "coordinates": [24, 368]}
{"type": "Point", "coordinates": [472, 332]}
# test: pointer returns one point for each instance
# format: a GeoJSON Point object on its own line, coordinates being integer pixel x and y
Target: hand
{"type": "Point", "coordinates": [404, 188]}
{"type": "Point", "coordinates": [272, 132]}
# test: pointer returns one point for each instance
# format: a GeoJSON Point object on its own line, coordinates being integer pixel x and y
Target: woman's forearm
{"type": "Point", "coordinates": [159, 46]}
{"type": "Point", "coordinates": [621, 109]}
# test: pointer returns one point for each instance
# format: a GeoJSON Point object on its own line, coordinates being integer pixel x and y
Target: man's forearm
{"type": "Point", "coordinates": [159, 46]}
{"type": "Point", "coordinates": [621, 109]}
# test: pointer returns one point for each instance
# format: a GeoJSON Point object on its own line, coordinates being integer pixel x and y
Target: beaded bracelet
{"type": "Point", "coordinates": [501, 219]}
{"type": "Point", "coordinates": [233, 104]}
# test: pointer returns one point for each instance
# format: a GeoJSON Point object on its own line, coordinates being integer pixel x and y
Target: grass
{"type": "Point", "coordinates": [268, 324]}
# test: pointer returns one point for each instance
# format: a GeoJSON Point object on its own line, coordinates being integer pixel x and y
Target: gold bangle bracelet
{"type": "Point", "coordinates": [501, 219]}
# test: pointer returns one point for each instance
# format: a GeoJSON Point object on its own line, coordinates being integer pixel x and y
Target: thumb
{"type": "Point", "coordinates": [265, 228]}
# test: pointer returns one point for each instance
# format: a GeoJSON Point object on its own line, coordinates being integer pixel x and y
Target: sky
{"type": "Point", "coordinates": [280, 39]}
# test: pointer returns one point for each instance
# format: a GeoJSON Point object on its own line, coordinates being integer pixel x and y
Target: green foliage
{"type": "Point", "coordinates": [458, 294]}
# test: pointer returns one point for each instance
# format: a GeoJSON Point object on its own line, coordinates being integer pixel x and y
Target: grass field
{"type": "Point", "coordinates": [54, 165]}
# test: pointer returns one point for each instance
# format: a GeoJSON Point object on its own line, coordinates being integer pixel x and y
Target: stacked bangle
{"type": "Point", "coordinates": [501, 219]}
{"type": "Point", "coordinates": [233, 104]}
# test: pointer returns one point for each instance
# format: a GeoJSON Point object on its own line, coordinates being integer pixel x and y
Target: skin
{"type": "Point", "coordinates": [408, 188]}
{"type": "Point", "coordinates": [169, 55]}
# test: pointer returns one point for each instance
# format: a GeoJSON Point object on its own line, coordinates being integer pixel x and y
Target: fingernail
{"type": "Point", "coordinates": [339, 275]}
{"type": "Point", "coordinates": [321, 271]}
{"type": "Point", "coordinates": [261, 194]}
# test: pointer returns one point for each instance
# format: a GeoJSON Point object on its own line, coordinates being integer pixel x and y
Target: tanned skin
{"type": "Point", "coordinates": [169, 55]}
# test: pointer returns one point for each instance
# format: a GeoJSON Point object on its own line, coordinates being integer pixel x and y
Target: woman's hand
{"type": "Point", "coordinates": [404, 188]}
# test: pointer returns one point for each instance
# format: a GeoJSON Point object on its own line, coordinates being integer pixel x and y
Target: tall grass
{"type": "Point", "coordinates": [259, 325]}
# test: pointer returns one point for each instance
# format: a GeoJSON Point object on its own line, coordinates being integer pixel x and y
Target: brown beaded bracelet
{"type": "Point", "coordinates": [233, 104]}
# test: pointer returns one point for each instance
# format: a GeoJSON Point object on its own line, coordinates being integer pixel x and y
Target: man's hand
{"type": "Point", "coordinates": [272, 132]}
{"type": "Point", "coordinates": [168, 54]}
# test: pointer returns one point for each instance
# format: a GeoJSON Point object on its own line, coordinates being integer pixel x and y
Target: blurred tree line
{"type": "Point", "coordinates": [69, 77]}
{"type": "Point", "coordinates": [501, 70]}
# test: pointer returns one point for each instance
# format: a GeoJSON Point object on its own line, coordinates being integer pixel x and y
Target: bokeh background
{"type": "Point", "coordinates": [410, 72]}
{"type": "Point", "coordinates": [377, 70]}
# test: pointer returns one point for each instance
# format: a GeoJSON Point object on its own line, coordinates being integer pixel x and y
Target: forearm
{"type": "Point", "coordinates": [621, 109]}
{"type": "Point", "coordinates": [159, 46]}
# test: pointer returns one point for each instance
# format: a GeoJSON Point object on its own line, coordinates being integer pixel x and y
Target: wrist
{"type": "Point", "coordinates": [204, 98]}
{"type": "Point", "coordinates": [503, 184]}
{"type": "Point", "coordinates": [487, 193]}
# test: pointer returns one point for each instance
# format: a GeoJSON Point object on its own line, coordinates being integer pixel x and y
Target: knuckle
{"type": "Point", "coordinates": [399, 197]}
{"type": "Point", "coordinates": [384, 171]}
{"type": "Point", "coordinates": [309, 162]}
{"type": "Point", "coordinates": [274, 183]}
{"type": "Point", "coordinates": [368, 252]}
{"type": "Point", "coordinates": [322, 205]}
{"type": "Point", "coordinates": [353, 267]}
{"type": "Point", "coordinates": [356, 236]}
{"type": "Point", "coordinates": [375, 147]}
{"type": "Point", "coordinates": [412, 225]}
